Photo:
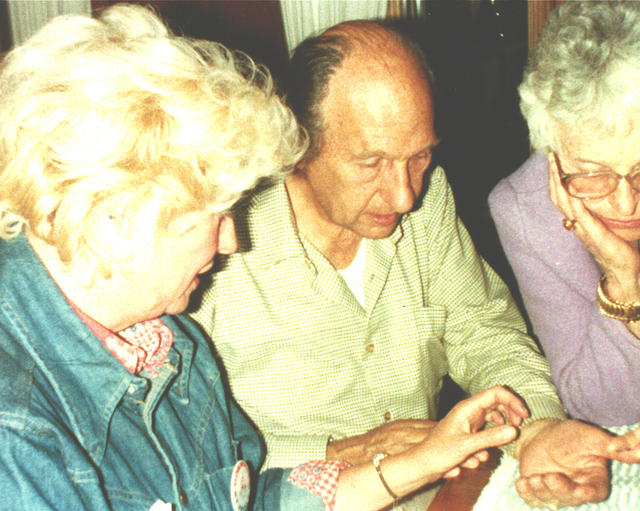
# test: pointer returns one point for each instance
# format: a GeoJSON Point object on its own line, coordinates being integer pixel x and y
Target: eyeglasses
{"type": "Point", "coordinates": [595, 185]}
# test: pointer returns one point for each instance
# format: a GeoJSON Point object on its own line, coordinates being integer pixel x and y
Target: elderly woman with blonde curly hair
{"type": "Point", "coordinates": [569, 218]}
{"type": "Point", "coordinates": [122, 149]}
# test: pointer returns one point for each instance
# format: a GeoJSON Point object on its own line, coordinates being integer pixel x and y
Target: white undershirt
{"type": "Point", "coordinates": [353, 274]}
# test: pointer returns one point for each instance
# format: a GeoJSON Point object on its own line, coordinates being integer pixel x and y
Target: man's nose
{"type": "Point", "coordinates": [398, 189]}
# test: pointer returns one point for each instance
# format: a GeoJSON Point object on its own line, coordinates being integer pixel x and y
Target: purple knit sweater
{"type": "Point", "coordinates": [595, 360]}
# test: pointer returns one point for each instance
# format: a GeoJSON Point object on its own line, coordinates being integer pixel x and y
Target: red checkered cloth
{"type": "Point", "coordinates": [320, 478]}
{"type": "Point", "coordinates": [144, 345]}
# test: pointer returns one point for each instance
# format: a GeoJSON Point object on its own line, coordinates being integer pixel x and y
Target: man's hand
{"type": "Point", "coordinates": [564, 463]}
{"type": "Point", "coordinates": [391, 438]}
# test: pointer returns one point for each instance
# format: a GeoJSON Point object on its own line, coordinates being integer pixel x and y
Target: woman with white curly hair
{"type": "Point", "coordinates": [122, 149]}
{"type": "Point", "coordinates": [569, 218]}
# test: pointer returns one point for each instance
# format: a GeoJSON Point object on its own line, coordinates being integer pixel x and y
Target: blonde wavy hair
{"type": "Point", "coordinates": [111, 113]}
{"type": "Point", "coordinates": [584, 72]}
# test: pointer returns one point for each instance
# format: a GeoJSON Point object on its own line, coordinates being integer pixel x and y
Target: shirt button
{"type": "Point", "coordinates": [369, 348]}
{"type": "Point", "coordinates": [387, 416]}
{"type": "Point", "coordinates": [183, 497]}
{"type": "Point", "coordinates": [132, 388]}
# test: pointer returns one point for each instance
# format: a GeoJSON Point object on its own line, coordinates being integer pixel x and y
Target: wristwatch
{"type": "Point", "coordinates": [623, 311]}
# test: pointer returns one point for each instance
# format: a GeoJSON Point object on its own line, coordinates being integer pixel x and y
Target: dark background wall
{"type": "Point", "coordinates": [478, 50]}
{"type": "Point", "coordinates": [5, 34]}
{"type": "Point", "coordinates": [254, 26]}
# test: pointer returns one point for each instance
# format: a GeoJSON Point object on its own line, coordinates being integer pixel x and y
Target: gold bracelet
{"type": "Point", "coordinates": [377, 458]}
{"type": "Point", "coordinates": [623, 311]}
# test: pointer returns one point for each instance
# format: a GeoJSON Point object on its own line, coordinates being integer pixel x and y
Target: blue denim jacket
{"type": "Point", "coordinates": [78, 431]}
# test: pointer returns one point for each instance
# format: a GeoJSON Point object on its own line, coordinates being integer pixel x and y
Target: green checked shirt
{"type": "Point", "coordinates": [306, 361]}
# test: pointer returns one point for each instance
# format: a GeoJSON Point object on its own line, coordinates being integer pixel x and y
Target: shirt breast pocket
{"type": "Point", "coordinates": [430, 323]}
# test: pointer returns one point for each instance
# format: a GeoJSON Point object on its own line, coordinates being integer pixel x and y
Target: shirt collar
{"type": "Point", "coordinates": [270, 224]}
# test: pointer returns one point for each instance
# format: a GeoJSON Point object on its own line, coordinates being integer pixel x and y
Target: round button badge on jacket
{"type": "Point", "coordinates": [240, 488]}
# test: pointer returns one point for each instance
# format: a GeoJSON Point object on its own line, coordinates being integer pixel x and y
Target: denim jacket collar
{"type": "Point", "coordinates": [88, 380]}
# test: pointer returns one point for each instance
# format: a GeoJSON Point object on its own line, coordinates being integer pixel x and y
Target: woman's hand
{"type": "Point", "coordinates": [458, 440]}
{"type": "Point", "coordinates": [618, 259]}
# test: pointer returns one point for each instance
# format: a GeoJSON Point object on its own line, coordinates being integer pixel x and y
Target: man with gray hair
{"type": "Point", "coordinates": [357, 291]}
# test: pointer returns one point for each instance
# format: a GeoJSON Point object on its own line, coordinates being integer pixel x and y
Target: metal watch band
{"type": "Point", "coordinates": [622, 311]}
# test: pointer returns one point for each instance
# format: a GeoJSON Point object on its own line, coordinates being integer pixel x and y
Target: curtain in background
{"type": "Point", "coordinates": [302, 18]}
{"type": "Point", "coordinates": [538, 12]}
{"type": "Point", "coordinates": [27, 16]}
{"type": "Point", "coordinates": [407, 9]}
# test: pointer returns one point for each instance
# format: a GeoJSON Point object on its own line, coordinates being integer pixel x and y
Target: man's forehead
{"type": "Point", "coordinates": [389, 55]}
{"type": "Point", "coordinates": [379, 102]}
{"type": "Point", "coordinates": [387, 62]}
{"type": "Point", "coordinates": [377, 86]}
{"type": "Point", "coordinates": [397, 132]}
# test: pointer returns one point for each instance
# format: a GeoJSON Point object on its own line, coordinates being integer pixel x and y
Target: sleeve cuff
{"type": "Point", "coordinates": [320, 478]}
{"type": "Point", "coordinates": [290, 451]}
{"type": "Point", "coordinates": [545, 408]}
{"type": "Point", "coordinates": [540, 408]}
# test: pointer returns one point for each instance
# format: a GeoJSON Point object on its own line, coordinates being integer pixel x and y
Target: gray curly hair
{"type": "Point", "coordinates": [585, 70]}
